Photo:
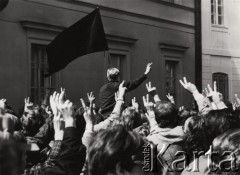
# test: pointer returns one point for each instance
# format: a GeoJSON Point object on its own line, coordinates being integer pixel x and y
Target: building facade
{"type": "Point", "coordinates": [138, 32]}
{"type": "Point", "coordinates": [220, 45]}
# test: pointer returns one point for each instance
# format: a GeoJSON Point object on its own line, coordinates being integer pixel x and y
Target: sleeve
{"type": "Point", "coordinates": [45, 135]}
{"type": "Point", "coordinates": [72, 155]}
{"type": "Point", "coordinates": [87, 138]}
{"type": "Point", "coordinates": [135, 83]}
{"type": "Point", "coordinates": [40, 168]}
{"type": "Point", "coordinates": [114, 115]}
{"type": "Point", "coordinates": [55, 150]}
{"type": "Point", "coordinates": [202, 102]}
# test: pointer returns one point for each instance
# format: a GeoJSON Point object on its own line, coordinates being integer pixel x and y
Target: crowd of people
{"type": "Point", "coordinates": [110, 139]}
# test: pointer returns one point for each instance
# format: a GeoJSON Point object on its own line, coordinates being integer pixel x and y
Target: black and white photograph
{"type": "Point", "coordinates": [119, 87]}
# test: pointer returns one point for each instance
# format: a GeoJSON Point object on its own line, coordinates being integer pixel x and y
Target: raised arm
{"type": "Point", "coordinates": [119, 97]}
{"type": "Point", "coordinates": [72, 153]}
{"type": "Point", "coordinates": [150, 112]}
{"type": "Point", "coordinates": [216, 96]}
{"type": "Point", "coordinates": [135, 83]}
{"type": "Point", "coordinates": [153, 92]}
{"type": "Point", "coordinates": [203, 102]}
{"type": "Point", "coordinates": [170, 98]}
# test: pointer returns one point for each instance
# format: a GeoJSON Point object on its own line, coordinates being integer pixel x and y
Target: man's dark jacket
{"type": "Point", "coordinates": [107, 93]}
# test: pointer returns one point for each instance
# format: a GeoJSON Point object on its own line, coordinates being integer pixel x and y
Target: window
{"type": "Point", "coordinates": [217, 12]}
{"type": "Point", "coordinates": [170, 77]}
{"type": "Point", "coordinates": [39, 67]}
{"type": "Point", "coordinates": [222, 83]}
{"type": "Point", "coordinates": [117, 60]}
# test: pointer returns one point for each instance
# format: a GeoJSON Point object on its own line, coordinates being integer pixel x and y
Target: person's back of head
{"type": "Point", "coordinates": [227, 142]}
{"type": "Point", "coordinates": [113, 74]}
{"type": "Point", "coordinates": [201, 130]}
{"type": "Point", "coordinates": [166, 114]}
{"type": "Point", "coordinates": [130, 118]}
{"type": "Point", "coordinates": [12, 153]}
{"type": "Point", "coordinates": [115, 150]}
{"type": "Point", "coordinates": [219, 121]}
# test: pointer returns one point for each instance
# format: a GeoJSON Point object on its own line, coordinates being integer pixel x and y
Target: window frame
{"type": "Point", "coordinates": [126, 57]}
{"type": "Point", "coordinates": [215, 14]}
{"type": "Point", "coordinates": [39, 88]}
{"type": "Point", "coordinates": [178, 73]}
{"type": "Point", "coordinates": [121, 62]}
{"type": "Point", "coordinates": [175, 67]}
{"type": "Point", "coordinates": [226, 95]}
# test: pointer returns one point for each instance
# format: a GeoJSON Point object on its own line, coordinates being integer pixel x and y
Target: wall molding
{"type": "Point", "coordinates": [173, 47]}
{"type": "Point", "coordinates": [173, 5]}
{"type": "Point", "coordinates": [41, 26]}
{"type": "Point", "coordinates": [121, 39]}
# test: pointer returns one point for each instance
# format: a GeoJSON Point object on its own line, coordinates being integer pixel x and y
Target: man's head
{"type": "Point", "coordinates": [112, 74]}
{"type": "Point", "coordinates": [166, 114]}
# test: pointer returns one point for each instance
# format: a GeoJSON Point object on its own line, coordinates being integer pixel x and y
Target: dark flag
{"type": "Point", "coordinates": [84, 37]}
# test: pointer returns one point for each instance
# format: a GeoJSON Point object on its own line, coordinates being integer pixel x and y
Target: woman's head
{"type": "Point", "coordinates": [201, 130]}
{"type": "Point", "coordinates": [229, 144]}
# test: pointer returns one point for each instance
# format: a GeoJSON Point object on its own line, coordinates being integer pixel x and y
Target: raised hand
{"type": "Point", "coordinates": [170, 98]}
{"type": "Point", "coordinates": [48, 111]}
{"type": "Point", "coordinates": [150, 88]}
{"type": "Point", "coordinates": [153, 92]}
{"type": "Point", "coordinates": [135, 104]}
{"type": "Point", "coordinates": [235, 106]}
{"type": "Point", "coordinates": [181, 108]}
{"type": "Point", "coordinates": [237, 99]}
{"type": "Point", "coordinates": [147, 104]}
{"type": "Point", "coordinates": [89, 116]}
{"type": "Point", "coordinates": [150, 112]}
{"type": "Point", "coordinates": [91, 98]}
{"type": "Point", "coordinates": [62, 95]}
{"type": "Point", "coordinates": [3, 103]}
{"type": "Point", "coordinates": [53, 103]}
{"type": "Point", "coordinates": [148, 68]}
{"type": "Point", "coordinates": [121, 92]}
{"type": "Point", "coordinates": [216, 96]}
{"type": "Point", "coordinates": [28, 104]}
{"type": "Point", "coordinates": [66, 110]}
{"type": "Point", "coordinates": [188, 85]}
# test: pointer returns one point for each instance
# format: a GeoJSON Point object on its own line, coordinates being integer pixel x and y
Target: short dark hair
{"type": "Point", "coordinates": [166, 114]}
{"type": "Point", "coordinates": [112, 147]}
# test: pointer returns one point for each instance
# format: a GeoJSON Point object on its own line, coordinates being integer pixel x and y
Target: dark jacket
{"type": "Point", "coordinates": [107, 93]}
{"type": "Point", "coordinates": [72, 155]}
